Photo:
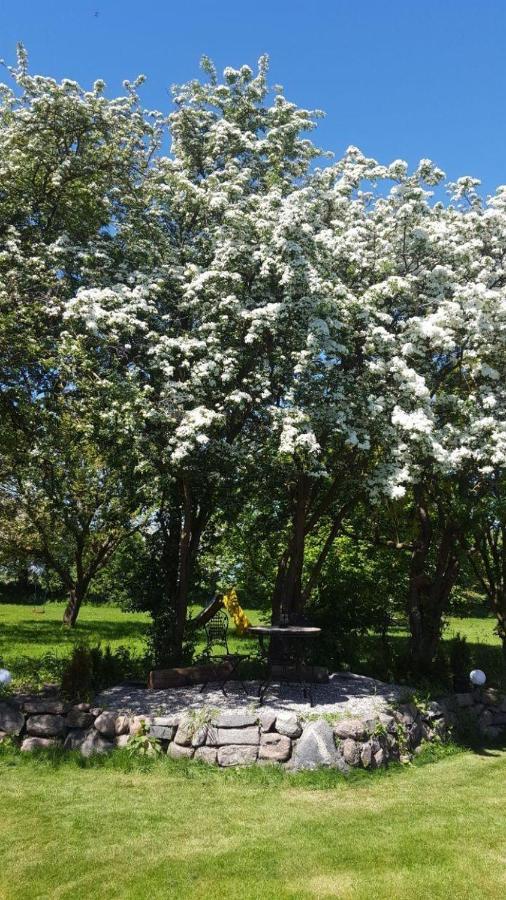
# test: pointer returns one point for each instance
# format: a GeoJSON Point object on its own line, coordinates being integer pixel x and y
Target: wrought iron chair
{"type": "Point", "coordinates": [216, 630]}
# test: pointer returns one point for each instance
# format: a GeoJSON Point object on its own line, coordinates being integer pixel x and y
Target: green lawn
{"type": "Point", "coordinates": [28, 633]}
{"type": "Point", "coordinates": [36, 630]}
{"type": "Point", "coordinates": [111, 830]}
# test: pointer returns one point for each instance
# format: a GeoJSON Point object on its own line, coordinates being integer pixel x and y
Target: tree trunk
{"type": "Point", "coordinates": [429, 594]}
{"type": "Point", "coordinates": [322, 556]}
{"type": "Point", "coordinates": [183, 580]}
{"type": "Point", "coordinates": [498, 603]}
{"type": "Point", "coordinates": [76, 596]}
{"type": "Point", "coordinates": [287, 594]}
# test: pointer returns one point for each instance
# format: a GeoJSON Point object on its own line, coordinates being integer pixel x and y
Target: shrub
{"type": "Point", "coordinates": [91, 669]}
{"type": "Point", "coordinates": [161, 642]}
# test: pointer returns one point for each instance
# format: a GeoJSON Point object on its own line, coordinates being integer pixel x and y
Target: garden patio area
{"type": "Point", "coordinates": [344, 694]}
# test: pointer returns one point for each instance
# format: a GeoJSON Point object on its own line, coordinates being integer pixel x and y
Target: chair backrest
{"type": "Point", "coordinates": [216, 631]}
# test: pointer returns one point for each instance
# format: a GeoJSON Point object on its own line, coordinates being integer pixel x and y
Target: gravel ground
{"type": "Point", "coordinates": [345, 693]}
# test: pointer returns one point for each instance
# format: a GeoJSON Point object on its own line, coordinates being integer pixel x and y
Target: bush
{"type": "Point", "coordinates": [161, 642]}
{"type": "Point", "coordinates": [91, 669]}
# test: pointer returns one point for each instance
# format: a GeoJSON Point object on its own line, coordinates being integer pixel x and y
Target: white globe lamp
{"type": "Point", "coordinates": [477, 677]}
{"type": "Point", "coordinates": [5, 677]}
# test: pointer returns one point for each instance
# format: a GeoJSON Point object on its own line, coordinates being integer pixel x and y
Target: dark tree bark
{"type": "Point", "coordinates": [429, 593]}
{"type": "Point", "coordinates": [288, 587]}
{"type": "Point", "coordinates": [74, 602]}
{"type": "Point", "coordinates": [181, 545]}
{"type": "Point", "coordinates": [290, 592]}
{"type": "Point", "coordinates": [488, 559]}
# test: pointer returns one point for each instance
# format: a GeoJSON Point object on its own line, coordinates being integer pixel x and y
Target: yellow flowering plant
{"type": "Point", "coordinates": [235, 610]}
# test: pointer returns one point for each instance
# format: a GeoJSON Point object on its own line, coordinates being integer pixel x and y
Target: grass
{"type": "Point", "coordinates": [121, 828]}
{"type": "Point", "coordinates": [28, 633]}
{"type": "Point", "coordinates": [34, 631]}
{"type": "Point", "coordinates": [116, 829]}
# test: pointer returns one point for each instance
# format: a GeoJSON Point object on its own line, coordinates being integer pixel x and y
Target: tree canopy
{"type": "Point", "coordinates": [228, 339]}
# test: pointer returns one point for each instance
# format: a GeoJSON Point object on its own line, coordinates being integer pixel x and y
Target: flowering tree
{"type": "Point", "coordinates": [450, 328]}
{"type": "Point", "coordinates": [226, 324]}
{"type": "Point", "coordinates": [71, 163]}
{"type": "Point", "coordinates": [210, 318]}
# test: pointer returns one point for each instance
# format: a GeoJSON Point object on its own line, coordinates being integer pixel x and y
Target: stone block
{"type": "Point", "coordinates": [122, 725]}
{"type": "Point", "coordinates": [463, 700]}
{"type": "Point", "coordinates": [95, 743]}
{"type": "Point", "coordinates": [40, 705]}
{"type": "Point", "coordinates": [75, 738]}
{"type": "Point", "coordinates": [498, 718]}
{"type": "Point", "coordinates": [206, 754]}
{"type": "Point", "coordinates": [46, 725]}
{"type": "Point", "coordinates": [234, 719]}
{"type": "Point", "coordinates": [78, 718]}
{"type": "Point", "coordinates": [249, 735]}
{"type": "Point", "coordinates": [491, 696]}
{"type": "Point", "coordinates": [434, 711]}
{"type": "Point", "coordinates": [406, 713]}
{"type": "Point", "coordinates": [212, 736]}
{"type": "Point", "coordinates": [105, 723]}
{"type": "Point", "coordinates": [167, 721]}
{"type": "Point", "coordinates": [367, 756]}
{"type": "Point", "coordinates": [121, 741]}
{"type": "Point", "coordinates": [316, 748]}
{"type": "Point", "coordinates": [199, 736]}
{"type": "Point", "coordinates": [355, 729]}
{"type": "Point", "coordinates": [486, 718]}
{"type": "Point", "coordinates": [38, 743]}
{"type": "Point", "coordinates": [380, 758]}
{"type": "Point", "coordinates": [178, 751]}
{"type": "Point", "coordinates": [288, 724]}
{"type": "Point", "coordinates": [415, 734]}
{"type": "Point", "coordinates": [266, 719]}
{"type": "Point", "coordinates": [350, 751]}
{"type": "Point", "coordinates": [388, 722]}
{"type": "Point", "coordinates": [237, 755]}
{"type": "Point", "coordinates": [492, 732]}
{"type": "Point", "coordinates": [162, 732]}
{"type": "Point", "coordinates": [138, 723]}
{"type": "Point", "coordinates": [184, 733]}
{"type": "Point", "coordinates": [12, 719]}
{"type": "Point", "coordinates": [274, 747]}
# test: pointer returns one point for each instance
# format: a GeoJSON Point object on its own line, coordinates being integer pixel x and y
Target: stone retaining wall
{"type": "Point", "coordinates": [235, 738]}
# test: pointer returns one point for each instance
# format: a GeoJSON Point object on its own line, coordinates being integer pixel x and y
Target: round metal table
{"type": "Point", "coordinates": [293, 634]}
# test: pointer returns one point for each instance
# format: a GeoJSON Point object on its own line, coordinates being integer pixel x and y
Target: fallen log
{"type": "Point", "coordinates": [159, 679]}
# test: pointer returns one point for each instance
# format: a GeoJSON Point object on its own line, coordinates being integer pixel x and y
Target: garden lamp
{"type": "Point", "coordinates": [477, 677]}
{"type": "Point", "coordinates": [5, 677]}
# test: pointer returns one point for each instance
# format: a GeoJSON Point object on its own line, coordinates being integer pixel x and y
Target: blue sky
{"type": "Point", "coordinates": [398, 79]}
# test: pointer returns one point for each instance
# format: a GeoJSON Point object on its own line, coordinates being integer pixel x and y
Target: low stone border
{"type": "Point", "coordinates": [486, 709]}
{"type": "Point", "coordinates": [235, 738]}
